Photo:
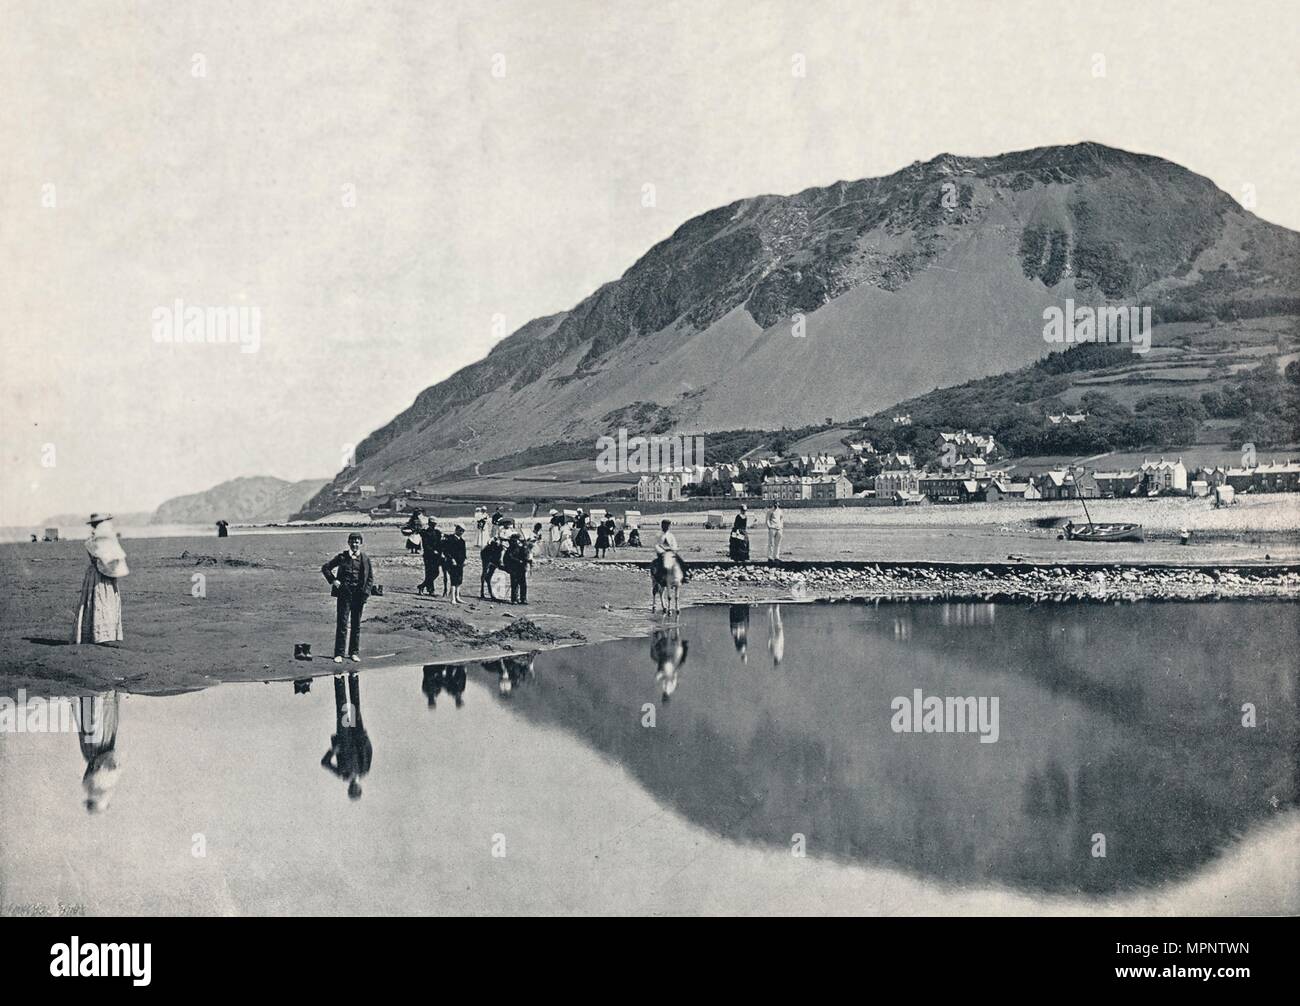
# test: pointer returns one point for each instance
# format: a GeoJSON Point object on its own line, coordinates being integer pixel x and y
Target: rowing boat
{"type": "Point", "coordinates": [1104, 532]}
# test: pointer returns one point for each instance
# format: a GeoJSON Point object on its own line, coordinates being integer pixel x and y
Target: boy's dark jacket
{"type": "Point", "coordinates": [453, 547]}
{"type": "Point", "coordinates": [356, 575]}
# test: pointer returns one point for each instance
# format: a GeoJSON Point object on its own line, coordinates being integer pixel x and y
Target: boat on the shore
{"type": "Point", "coordinates": [1103, 532]}
{"type": "Point", "coordinates": [1092, 531]}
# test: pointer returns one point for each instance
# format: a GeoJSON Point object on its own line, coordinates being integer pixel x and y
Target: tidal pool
{"type": "Point", "coordinates": [767, 758]}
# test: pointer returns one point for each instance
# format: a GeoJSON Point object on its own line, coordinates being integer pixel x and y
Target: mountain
{"type": "Point", "coordinates": [928, 277]}
{"type": "Point", "coordinates": [74, 520]}
{"type": "Point", "coordinates": [253, 500]}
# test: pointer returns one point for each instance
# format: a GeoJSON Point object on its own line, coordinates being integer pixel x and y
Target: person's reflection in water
{"type": "Point", "coordinates": [510, 671]}
{"type": "Point", "coordinates": [775, 634]}
{"type": "Point", "coordinates": [96, 717]}
{"type": "Point", "coordinates": [668, 651]}
{"type": "Point", "coordinates": [453, 679]}
{"type": "Point", "coordinates": [739, 618]}
{"type": "Point", "coordinates": [350, 750]}
{"type": "Point", "coordinates": [439, 678]}
{"type": "Point", "coordinates": [432, 684]}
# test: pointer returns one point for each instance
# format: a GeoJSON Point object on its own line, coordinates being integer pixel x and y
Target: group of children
{"type": "Point", "coordinates": [572, 538]}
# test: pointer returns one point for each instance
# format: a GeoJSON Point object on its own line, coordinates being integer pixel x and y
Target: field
{"type": "Point", "coordinates": [560, 479]}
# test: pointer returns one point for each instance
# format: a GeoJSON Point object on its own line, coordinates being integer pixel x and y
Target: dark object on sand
{"type": "Point", "coordinates": [301, 686]}
{"type": "Point", "coordinates": [222, 527]}
{"type": "Point", "coordinates": [302, 651]}
{"type": "Point", "coordinates": [376, 590]}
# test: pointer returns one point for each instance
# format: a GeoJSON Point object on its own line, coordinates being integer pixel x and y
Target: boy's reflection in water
{"type": "Point", "coordinates": [510, 671]}
{"type": "Point", "coordinates": [350, 750]}
{"type": "Point", "coordinates": [668, 650]}
{"type": "Point", "coordinates": [439, 678]}
{"type": "Point", "coordinates": [96, 717]}
{"type": "Point", "coordinates": [739, 618]}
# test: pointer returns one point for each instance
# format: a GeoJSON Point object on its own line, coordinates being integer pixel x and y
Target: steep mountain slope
{"type": "Point", "coordinates": [838, 301]}
{"type": "Point", "coordinates": [255, 499]}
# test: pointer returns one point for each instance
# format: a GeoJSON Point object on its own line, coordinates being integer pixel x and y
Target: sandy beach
{"type": "Point", "coordinates": [261, 593]}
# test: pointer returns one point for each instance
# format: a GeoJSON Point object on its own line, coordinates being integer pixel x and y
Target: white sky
{"type": "Point", "coordinates": [478, 195]}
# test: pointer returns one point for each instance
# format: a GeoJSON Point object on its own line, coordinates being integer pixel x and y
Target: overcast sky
{"type": "Point", "coordinates": [497, 154]}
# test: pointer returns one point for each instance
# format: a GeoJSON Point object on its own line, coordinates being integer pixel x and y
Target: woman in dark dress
{"type": "Point", "coordinates": [738, 541]}
{"type": "Point", "coordinates": [604, 536]}
{"type": "Point", "coordinates": [582, 538]}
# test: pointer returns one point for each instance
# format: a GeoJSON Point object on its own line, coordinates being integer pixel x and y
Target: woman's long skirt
{"type": "Point", "coordinates": [99, 615]}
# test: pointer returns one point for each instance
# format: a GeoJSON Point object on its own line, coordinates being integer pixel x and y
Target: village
{"type": "Point", "coordinates": [967, 468]}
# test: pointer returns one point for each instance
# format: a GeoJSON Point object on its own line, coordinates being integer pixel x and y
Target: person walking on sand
{"type": "Point", "coordinates": [350, 577]}
{"type": "Point", "coordinates": [583, 537]}
{"type": "Point", "coordinates": [453, 547]}
{"type": "Point", "coordinates": [604, 537]}
{"type": "Point", "coordinates": [424, 530]}
{"type": "Point", "coordinates": [775, 528]}
{"type": "Point", "coordinates": [99, 613]}
{"type": "Point", "coordinates": [553, 535]}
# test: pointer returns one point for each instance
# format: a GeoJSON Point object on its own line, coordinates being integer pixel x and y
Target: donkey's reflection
{"type": "Point", "coordinates": [668, 650]}
{"type": "Point", "coordinates": [511, 671]}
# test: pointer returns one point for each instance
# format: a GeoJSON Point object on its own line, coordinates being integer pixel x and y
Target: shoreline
{"type": "Point", "coordinates": [262, 593]}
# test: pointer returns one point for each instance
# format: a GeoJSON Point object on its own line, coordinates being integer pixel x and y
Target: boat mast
{"type": "Point", "coordinates": [1079, 489]}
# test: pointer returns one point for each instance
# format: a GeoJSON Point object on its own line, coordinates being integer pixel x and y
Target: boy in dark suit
{"type": "Point", "coordinates": [516, 564]}
{"type": "Point", "coordinates": [351, 578]}
{"type": "Point", "coordinates": [453, 550]}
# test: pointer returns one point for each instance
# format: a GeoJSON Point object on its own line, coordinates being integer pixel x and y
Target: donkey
{"type": "Point", "coordinates": [491, 556]}
{"type": "Point", "coordinates": [665, 575]}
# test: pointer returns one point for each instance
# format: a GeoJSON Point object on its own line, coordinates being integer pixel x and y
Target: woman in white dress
{"type": "Point", "coordinates": [557, 522]}
{"type": "Point", "coordinates": [99, 615]}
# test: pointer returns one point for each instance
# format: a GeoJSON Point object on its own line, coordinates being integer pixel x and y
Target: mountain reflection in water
{"type": "Point", "coordinates": [1124, 722]}
{"type": "Point", "coordinates": [602, 769]}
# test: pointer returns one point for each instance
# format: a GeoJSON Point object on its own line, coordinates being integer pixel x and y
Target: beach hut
{"type": "Point", "coordinates": [713, 520]}
{"type": "Point", "coordinates": [51, 534]}
{"type": "Point", "coordinates": [631, 519]}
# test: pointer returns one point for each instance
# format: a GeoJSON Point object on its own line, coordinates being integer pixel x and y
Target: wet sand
{"type": "Point", "coordinates": [263, 592]}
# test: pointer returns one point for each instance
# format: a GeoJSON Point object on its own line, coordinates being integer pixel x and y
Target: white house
{"type": "Point", "coordinates": [660, 488]}
{"type": "Point", "coordinates": [1161, 475]}
{"type": "Point", "coordinates": [905, 480]}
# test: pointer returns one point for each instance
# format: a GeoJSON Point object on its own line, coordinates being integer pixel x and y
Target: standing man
{"type": "Point", "coordinates": [453, 550]}
{"type": "Point", "coordinates": [775, 528]}
{"type": "Point", "coordinates": [429, 537]}
{"type": "Point", "coordinates": [516, 564]}
{"type": "Point", "coordinates": [350, 578]}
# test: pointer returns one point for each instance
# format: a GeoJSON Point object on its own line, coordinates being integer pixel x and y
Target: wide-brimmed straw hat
{"type": "Point", "coordinates": [99, 518]}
